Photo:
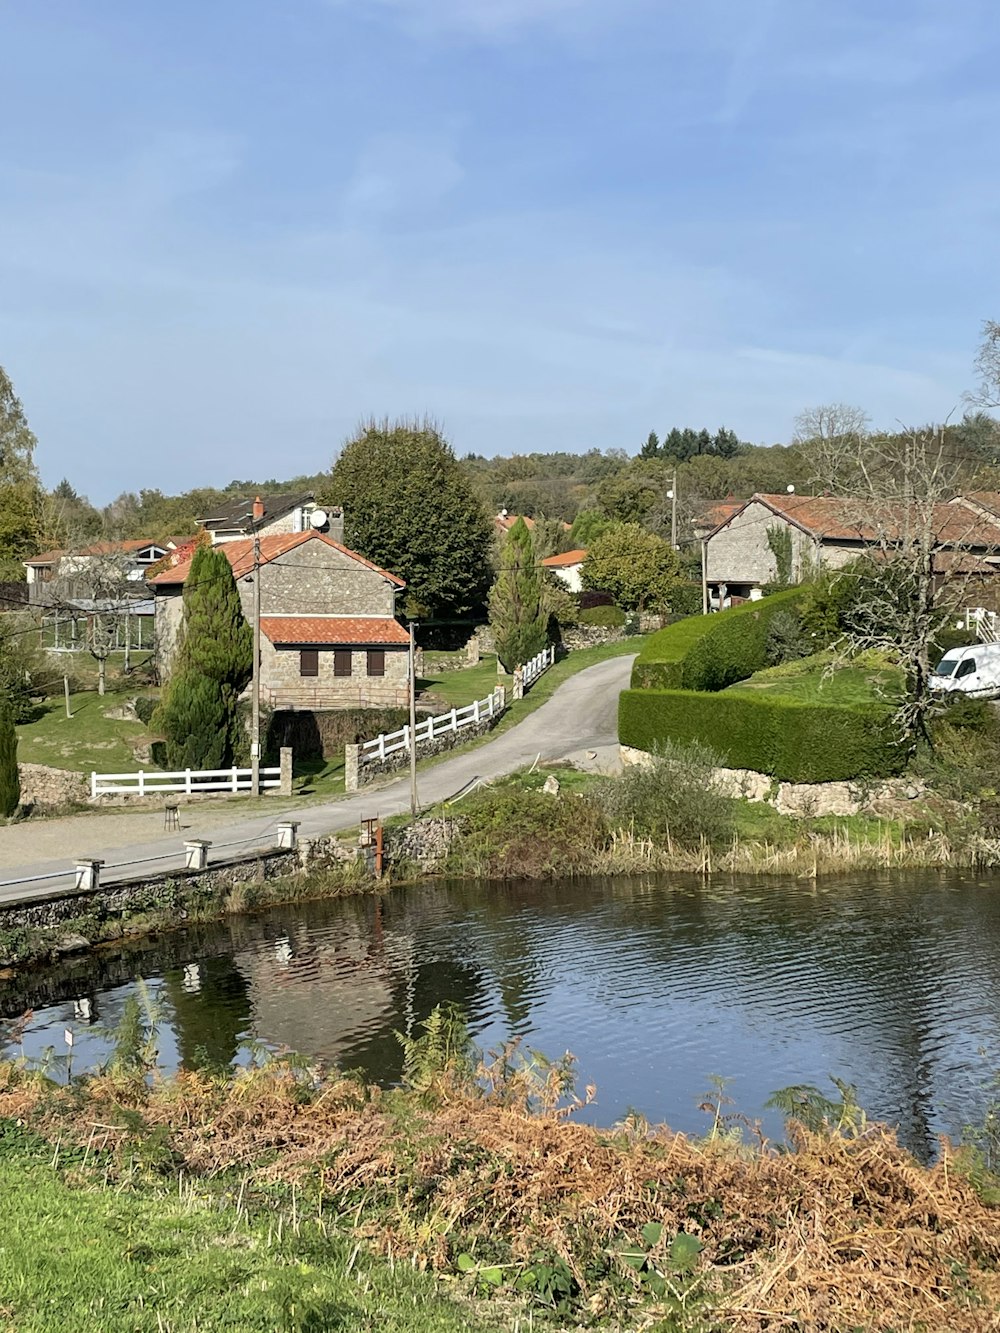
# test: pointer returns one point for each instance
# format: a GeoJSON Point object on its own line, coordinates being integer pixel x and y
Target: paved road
{"type": "Point", "coordinates": [580, 720]}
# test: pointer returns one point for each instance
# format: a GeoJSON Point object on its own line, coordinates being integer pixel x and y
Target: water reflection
{"type": "Point", "coordinates": [654, 984]}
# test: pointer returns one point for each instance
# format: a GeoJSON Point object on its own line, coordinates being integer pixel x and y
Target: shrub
{"type": "Point", "coordinates": [609, 616]}
{"type": "Point", "coordinates": [509, 833]}
{"type": "Point", "coordinates": [145, 706]}
{"type": "Point", "coordinates": [794, 740]}
{"type": "Point", "coordinates": [946, 639]}
{"type": "Point", "coordinates": [675, 796]}
{"type": "Point", "coordinates": [591, 597]}
{"type": "Point", "coordinates": [685, 600]}
{"type": "Point", "coordinates": [711, 652]}
{"type": "Point", "coordinates": [196, 721]}
{"type": "Point", "coordinates": [785, 641]}
{"type": "Point", "coordinates": [25, 672]}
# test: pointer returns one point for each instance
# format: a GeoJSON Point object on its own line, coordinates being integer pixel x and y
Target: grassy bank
{"type": "Point", "coordinates": [280, 1197]}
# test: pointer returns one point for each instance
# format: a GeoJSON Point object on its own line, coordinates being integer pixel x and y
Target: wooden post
{"type": "Point", "coordinates": [69, 711]}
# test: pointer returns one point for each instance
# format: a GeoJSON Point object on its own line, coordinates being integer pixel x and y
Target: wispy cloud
{"type": "Point", "coordinates": [492, 19]}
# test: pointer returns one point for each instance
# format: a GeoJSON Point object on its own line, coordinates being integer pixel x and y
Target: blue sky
{"type": "Point", "coordinates": [229, 231]}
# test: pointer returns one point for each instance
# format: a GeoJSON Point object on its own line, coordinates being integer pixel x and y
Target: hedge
{"type": "Point", "coordinates": [608, 616]}
{"type": "Point", "coordinates": [791, 739]}
{"type": "Point", "coordinates": [710, 652]}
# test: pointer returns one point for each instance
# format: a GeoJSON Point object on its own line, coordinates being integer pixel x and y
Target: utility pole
{"type": "Point", "coordinates": [414, 808]}
{"type": "Point", "coordinates": [704, 578]}
{"type": "Point", "coordinates": [673, 510]}
{"type": "Point", "coordinates": [258, 514]}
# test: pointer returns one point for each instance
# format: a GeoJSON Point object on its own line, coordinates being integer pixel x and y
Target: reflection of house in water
{"type": "Point", "coordinates": [323, 996]}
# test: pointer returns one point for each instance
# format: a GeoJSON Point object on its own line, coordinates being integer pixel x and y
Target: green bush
{"type": "Point", "coordinates": [675, 796]}
{"type": "Point", "coordinates": [946, 639]}
{"type": "Point", "coordinates": [145, 706]}
{"type": "Point", "coordinates": [711, 652]}
{"type": "Point", "coordinates": [609, 616]}
{"type": "Point", "coordinates": [509, 833]}
{"type": "Point", "coordinates": [685, 600]}
{"type": "Point", "coordinates": [794, 740]}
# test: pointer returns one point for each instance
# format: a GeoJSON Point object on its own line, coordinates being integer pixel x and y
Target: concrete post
{"type": "Point", "coordinates": [472, 651]}
{"type": "Point", "coordinates": [88, 874]}
{"type": "Point", "coordinates": [518, 682]}
{"type": "Point", "coordinates": [351, 753]}
{"type": "Point", "coordinates": [288, 835]}
{"type": "Point", "coordinates": [285, 775]}
{"type": "Point", "coordinates": [196, 854]}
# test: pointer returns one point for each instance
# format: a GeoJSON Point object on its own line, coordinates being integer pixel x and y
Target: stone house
{"type": "Point", "coordinates": [831, 532]}
{"type": "Point", "coordinates": [272, 515]}
{"type": "Point", "coordinates": [329, 636]}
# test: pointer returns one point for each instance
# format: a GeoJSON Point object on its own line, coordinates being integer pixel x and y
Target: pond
{"type": "Point", "coordinates": [655, 984]}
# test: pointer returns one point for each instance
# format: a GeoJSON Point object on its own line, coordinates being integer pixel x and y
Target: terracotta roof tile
{"type": "Point", "coordinates": [287, 630]}
{"type": "Point", "coordinates": [576, 557]}
{"type": "Point", "coordinates": [239, 553]}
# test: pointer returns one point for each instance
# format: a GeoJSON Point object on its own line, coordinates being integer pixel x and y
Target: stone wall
{"type": "Point", "coordinates": [43, 787]}
{"type": "Point", "coordinates": [574, 637]}
{"type": "Point", "coordinates": [360, 775]}
{"type": "Point", "coordinates": [286, 688]}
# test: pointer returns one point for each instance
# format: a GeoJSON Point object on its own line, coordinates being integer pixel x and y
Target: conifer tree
{"type": "Point", "coordinates": [214, 663]}
{"type": "Point", "coordinates": [20, 490]}
{"type": "Point", "coordinates": [10, 783]}
{"type": "Point", "coordinates": [518, 614]}
{"type": "Point", "coordinates": [197, 723]}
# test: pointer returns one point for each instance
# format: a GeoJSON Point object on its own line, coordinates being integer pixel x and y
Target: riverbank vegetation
{"type": "Point", "coordinates": [283, 1196]}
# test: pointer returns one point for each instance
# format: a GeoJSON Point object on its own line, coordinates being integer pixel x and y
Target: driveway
{"type": "Point", "coordinates": [579, 723]}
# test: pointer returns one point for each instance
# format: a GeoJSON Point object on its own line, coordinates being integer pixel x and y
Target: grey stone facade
{"type": "Point", "coordinates": [739, 555]}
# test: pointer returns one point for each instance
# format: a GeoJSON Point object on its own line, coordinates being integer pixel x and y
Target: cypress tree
{"type": "Point", "coordinates": [517, 612]}
{"type": "Point", "coordinates": [214, 664]}
{"type": "Point", "coordinates": [10, 782]}
{"type": "Point", "coordinates": [196, 723]}
{"type": "Point", "coordinates": [217, 641]}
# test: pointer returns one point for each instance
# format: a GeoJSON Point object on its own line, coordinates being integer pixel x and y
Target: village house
{"type": "Point", "coordinates": [568, 567]}
{"type": "Point", "coordinates": [69, 576]}
{"type": "Point", "coordinates": [272, 515]}
{"type": "Point", "coordinates": [830, 532]}
{"type": "Point", "coordinates": [329, 636]}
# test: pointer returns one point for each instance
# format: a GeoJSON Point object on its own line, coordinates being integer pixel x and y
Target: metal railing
{"type": "Point", "coordinates": [982, 622]}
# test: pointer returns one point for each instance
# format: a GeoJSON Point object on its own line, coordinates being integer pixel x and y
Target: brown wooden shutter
{"type": "Point", "coordinates": [342, 662]}
{"type": "Point", "coordinates": [309, 662]}
{"type": "Point", "coordinates": [376, 661]}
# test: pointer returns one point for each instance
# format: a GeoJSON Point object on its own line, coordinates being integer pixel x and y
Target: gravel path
{"type": "Point", "coordinates": [579, 723]}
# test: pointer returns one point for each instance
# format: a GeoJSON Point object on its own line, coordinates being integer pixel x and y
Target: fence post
{"type": "Point", "coordinates": [381, 745]}
{"type": "Point", "coordinates": [351, 753]}
{"type": "Point", "coordinates": [475, 711]}
{"type": "Point", "coordinates": [236, 778]}
{"type": "Point", "coordinates": [407, 738]}
{"type": "Point", "coordinates": [285, 762]}
{"type": "Point", "coordinates": [187, 781]}
{"type": "Point", "coordinates": [454, 719]}
{"type": "Point", "coordinates": [142, 783]}
{"type": "Point", "coordinates": [519, 682]}
{"type": "Point", "coordinates": [93, 785]}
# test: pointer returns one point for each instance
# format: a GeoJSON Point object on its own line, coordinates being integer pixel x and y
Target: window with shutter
{"type": "Point", "coordinates": [309, 662]}
{"type": "Point", "coordinates": [376, 661]}
{"type": "Point", "coordinates": [342, 662]}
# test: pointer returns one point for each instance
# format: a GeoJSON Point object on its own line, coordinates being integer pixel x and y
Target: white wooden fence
{"type": "Point", "coordinates": [188, 781]}
{"type": "Point", "coordinates": [982, 622]}
{"type": "Point", "coordinates": [393, 741]}
{"type": "Point", "coordinates": [539, 663]}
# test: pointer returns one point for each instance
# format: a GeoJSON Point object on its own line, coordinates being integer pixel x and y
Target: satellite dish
{"type": "Point", "coordinates": [318, 518]}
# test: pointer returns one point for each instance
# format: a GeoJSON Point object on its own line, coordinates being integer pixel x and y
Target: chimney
{"type": "Point", "coordinates": [336, 526]}
{"type": "Point", "coordinates": [258, 509]}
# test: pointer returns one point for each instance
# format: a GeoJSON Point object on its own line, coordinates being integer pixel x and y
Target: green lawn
{"type": "Point", "coordinates": [458, 688]}
{"type": "Point", "coordinates": [86, 741]}
{"type": "Point", "coordinates": [124, 1261]}
{"type": "Point", "coordinates": [810, 679]}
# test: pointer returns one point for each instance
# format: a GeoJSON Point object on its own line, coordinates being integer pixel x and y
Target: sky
{"type": "Point", "coordinates": [230, 231]}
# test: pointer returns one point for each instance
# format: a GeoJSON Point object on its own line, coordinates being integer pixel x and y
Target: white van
{"type": "Point", "coordinates": [973, 670]}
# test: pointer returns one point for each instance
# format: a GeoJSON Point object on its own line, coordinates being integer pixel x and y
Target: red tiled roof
{"type": "Point", "coordinates": [989, 500]}
{"type": "Point", "coordinates": [844, 519]}
{"type": "Point", "coordinates": [506, 521]}
{"type": "Point", "coordinates": [96, 548]}
{"type": "Point", "coordinates": [287, 630]}
{"type": "Point", "coordinates": [240, 555]}
{"type": "Point", "coordinates": [576, 557]}
{"type": "Point", "coordinates": [46, 558]}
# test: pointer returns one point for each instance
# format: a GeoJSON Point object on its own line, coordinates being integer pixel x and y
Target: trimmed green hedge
{"type": "Point", "coordinates": [608, 616]}
{"type": "Point", "coordinates": [791, 739]}
{"type": "Point", "coordinates": [710, 652]}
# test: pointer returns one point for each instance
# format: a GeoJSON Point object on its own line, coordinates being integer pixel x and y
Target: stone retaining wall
{"type": "Point", "coordinates": [43, 787]}
{"type": "Point", "coordinates": [358, 775]}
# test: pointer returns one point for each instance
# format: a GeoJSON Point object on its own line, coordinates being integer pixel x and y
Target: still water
{"type": "Point", "coordinates": [890, 982]}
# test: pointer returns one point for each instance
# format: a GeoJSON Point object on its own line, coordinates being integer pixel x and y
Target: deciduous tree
{"type": "Point", "coordinates": [409, 507]}
{"type": "Point", "coordinates": [20, 491]}
{"type": "Point", "coordinates": [638, 569]}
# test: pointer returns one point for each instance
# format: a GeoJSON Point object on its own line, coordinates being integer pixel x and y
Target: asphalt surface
{"type": "Point", "coordinates": [578, 723]}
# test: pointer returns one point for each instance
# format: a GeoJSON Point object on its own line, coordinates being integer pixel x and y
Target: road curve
{"type": "Point", "coordinates": [581, 716]}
